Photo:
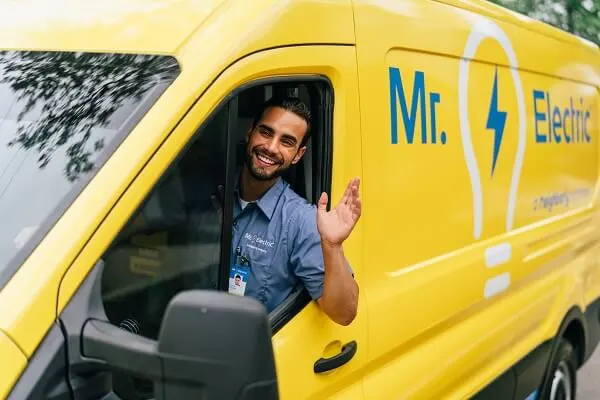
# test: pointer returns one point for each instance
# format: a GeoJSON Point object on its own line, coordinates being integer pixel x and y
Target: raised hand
{"type": "Point", "coordinates": [336, 225]}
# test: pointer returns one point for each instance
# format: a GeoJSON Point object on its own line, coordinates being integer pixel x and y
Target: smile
{"type": "Point", "coordinates": [266, 160]}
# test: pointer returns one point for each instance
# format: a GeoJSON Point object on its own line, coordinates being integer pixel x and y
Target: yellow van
{"type": "Point", "coordinates": [474, 132]}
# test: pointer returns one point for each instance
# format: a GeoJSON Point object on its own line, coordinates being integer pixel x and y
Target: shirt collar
{"type": "Point", "coordinates": [268, 201]}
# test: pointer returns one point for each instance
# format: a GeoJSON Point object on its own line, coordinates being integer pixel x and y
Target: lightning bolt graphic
{"type": "Point", "coordinates": [496, 121]}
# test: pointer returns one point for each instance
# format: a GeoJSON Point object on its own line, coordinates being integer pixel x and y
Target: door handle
{"type": "Point", "coordinates": [327, 364]}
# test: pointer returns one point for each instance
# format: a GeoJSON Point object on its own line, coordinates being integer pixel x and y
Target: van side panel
{"type": "Point", "coordinates": [482, 160]}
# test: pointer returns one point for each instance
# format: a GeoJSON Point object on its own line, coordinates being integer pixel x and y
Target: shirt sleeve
{"type": "Point", "coordinates": [306, 254]}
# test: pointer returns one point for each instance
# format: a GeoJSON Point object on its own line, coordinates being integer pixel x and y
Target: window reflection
{"type": "Point", "coordinates": [61, 114]}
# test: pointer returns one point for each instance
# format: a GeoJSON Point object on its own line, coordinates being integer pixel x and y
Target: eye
{"type": "Point", "coordinates": [265, 132]}
{"type": "Point", "coordinates": [288, 142]}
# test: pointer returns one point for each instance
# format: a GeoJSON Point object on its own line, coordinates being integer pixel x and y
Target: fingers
{"type": "Point", "coordinates": [351, 191]}
{"type": "Point", "coordinates": [357, 209]}
{"type": "Point", "coordinates": [346, 195]}
{"type": "Point", "coordinates": [354, 199]}
{"type": "Point", "coordinates": [354, 186]}
{"type": "Point", "coordinates": [357, 183]}
{"type": "Point", "coordinates": [323, 202]}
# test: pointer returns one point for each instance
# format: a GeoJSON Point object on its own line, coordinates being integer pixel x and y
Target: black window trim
{"type": "Point", "coordinates": [322, 179]}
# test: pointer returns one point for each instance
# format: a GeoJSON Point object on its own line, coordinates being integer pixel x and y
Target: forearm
{"type": "Point", "coordinates": [340, 291]}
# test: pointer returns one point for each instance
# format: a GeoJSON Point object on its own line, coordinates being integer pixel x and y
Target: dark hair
{"type": "Point", "coordinates": [290, 104]}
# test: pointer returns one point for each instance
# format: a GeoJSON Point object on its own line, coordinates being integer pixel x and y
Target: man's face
{"type": "Point", "coordinates": [274, 143]}
{"type": "Point", "coordinates": [237, 281]}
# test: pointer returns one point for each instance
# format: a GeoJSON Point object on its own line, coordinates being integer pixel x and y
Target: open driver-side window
{"type": "Point", "coordinates": [176, 241]}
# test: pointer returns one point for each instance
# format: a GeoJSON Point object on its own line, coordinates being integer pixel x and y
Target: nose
{"type": "Point", "coordinates": [272, 145]}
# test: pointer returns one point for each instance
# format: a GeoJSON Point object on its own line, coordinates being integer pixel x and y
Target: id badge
{"type": "Point", "coordinates": [238, 278]}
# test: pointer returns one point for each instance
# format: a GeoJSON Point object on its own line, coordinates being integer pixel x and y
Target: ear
{"type": "Point", "coordinates": [299, 155]}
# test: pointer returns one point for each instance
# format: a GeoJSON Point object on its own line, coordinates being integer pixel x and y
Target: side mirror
{"type": "Point", "coordinates": [219, 345]}
{"type": "Point", "coordinates": [212, 345]}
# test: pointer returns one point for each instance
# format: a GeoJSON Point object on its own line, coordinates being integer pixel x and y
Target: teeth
{"type": "Point", "coordinates": [266, 160]}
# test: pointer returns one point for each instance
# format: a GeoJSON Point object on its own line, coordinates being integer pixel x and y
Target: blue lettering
{"type": "Point", "coordinates": [558, 121]}
{"type": "Point", "coordinates": [566, 115]}
{"type": "Point", "coordinates": [588, 138]}
{"type": "Point", "coordinates": [574, 123]}
{"type": "Point", "coordinates": [539, 116]}
{"type": "Point", "coordinates": [418, 96]}
{"type": "Point", "coordinates": [434, 98]}
{"type": "Point", "coordinates": [549, 111]}
{"type": "Point", "coordinates": [556, 124]}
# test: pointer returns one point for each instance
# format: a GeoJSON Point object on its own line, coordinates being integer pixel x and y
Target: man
{"type": "Point", "coordinates": [278, 237]}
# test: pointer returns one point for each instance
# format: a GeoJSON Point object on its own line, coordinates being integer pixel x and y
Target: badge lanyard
{"type": "Point", "coordinates": [239, 273]}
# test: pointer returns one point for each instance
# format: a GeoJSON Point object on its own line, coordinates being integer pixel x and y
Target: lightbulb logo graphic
{"type": "Point", "coordinates": [482, 30]}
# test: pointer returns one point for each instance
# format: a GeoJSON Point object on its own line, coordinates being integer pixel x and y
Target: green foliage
{"type": "Point", "coordinates": [580, 17]}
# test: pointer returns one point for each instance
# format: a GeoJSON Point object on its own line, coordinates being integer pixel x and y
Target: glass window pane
{"type": "Point", "coordinates": [173, 241]}
{"type": "Point", "coordinates": [61, 115]}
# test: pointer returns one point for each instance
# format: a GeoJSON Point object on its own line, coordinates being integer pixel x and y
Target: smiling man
{"type": "Point", "coordinates": [279, 239]}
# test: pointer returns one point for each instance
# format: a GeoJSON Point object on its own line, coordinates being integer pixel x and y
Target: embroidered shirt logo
{"type": "Point", "coordinates": [257, 240]}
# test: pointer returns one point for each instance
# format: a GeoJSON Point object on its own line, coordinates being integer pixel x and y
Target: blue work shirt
{"type": "Point", "coordinates": [278, 235]}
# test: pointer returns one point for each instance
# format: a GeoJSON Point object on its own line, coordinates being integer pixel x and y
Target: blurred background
{"type": "Point", "coordinates": [580, 17]}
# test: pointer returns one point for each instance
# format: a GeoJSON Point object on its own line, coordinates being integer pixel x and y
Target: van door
{"type": "Point", "coordinates": [164, 236]}
{"type": "Point", "coordinates": [471, 248]}
{"type": "Point", "coordinates": [430, 332]}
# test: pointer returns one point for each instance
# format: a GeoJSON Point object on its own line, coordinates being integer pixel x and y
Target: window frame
{"type": "Point", "coordinates": [321, 92]}
{"type": "Point", "coordinates": [321, 170]}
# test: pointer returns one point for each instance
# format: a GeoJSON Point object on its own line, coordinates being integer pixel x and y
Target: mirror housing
{"type": "Point", "coordinates": [217, 345]}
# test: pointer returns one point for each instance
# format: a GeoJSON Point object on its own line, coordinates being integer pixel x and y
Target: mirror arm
{"type": "Point", "coordinates": [121, 349]}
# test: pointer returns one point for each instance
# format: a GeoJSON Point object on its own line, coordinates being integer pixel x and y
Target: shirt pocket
{"type": "Point", "coordinates": [261, 274]}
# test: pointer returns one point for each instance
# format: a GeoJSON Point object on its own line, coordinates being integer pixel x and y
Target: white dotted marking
{"type": "Point", "coordinates": [498, 255]}
{"type": "Point", "coordinates": [496, 285]}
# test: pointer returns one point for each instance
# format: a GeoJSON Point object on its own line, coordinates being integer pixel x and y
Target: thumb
{"type": "Point", "coordinates": [323, 202]}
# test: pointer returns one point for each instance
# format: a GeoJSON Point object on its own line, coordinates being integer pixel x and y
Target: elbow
{"type": "Point", "coordinates": [342, 311]}
{"type": "Point", "coordinates": [350, 313]}
{"type": "Point", "coordinates": [352, 309]}
{"type": "Point", "coordinates": [346, 314]}
{"type": "Point", "coordinates": [346, 318]}
{"type": "Point", "coordinates": [340, 315]}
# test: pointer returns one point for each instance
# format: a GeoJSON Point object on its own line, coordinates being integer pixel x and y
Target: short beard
{"type": "Point", "coordinates": [262, 177]}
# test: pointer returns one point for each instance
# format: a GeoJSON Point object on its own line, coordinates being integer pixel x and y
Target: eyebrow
{"type": "Point", "coordinates": [266, 127]}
